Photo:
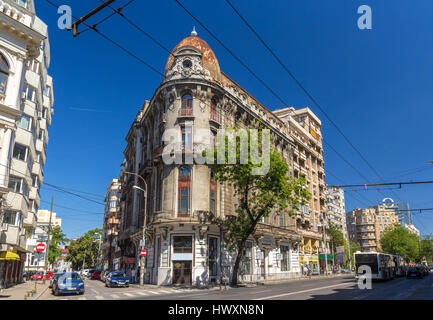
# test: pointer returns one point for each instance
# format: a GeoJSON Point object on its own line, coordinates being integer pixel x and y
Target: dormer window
{"type": "Point", "coordinates": [187, 64]}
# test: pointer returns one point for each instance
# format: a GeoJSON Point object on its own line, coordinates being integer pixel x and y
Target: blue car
{"type": "Point", "coordinates": [116, 279]}
{"type": "Point", "coordinates": [68, 282]}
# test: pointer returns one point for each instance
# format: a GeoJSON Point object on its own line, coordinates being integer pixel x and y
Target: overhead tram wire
{"type": "Point", "coordinates": [260, 80]}
{"type": "Point", "coordinates": [54, 186]}
{"type": "Point", "coordinates": [309, 95]}
{"type": "Point", "coordinates": [75, 210]}
{"type": "Point", "coordinates": [154, 69]}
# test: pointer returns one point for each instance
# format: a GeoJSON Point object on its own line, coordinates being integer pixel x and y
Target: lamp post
{"type": "Point", "coordinates": [144, 223]}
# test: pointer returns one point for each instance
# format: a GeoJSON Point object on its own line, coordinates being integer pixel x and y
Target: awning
{"type": "Point", "coordinates": [8, 255]}
{"type": "Point", "coordinates": [322, 256]}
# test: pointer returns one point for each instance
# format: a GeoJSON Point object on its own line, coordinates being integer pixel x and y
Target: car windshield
{"type": "Point", "coordinates": [117, 275]}
{"type": "Point", "coordinates": [69, 276]}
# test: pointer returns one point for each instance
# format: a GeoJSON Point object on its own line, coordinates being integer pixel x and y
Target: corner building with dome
{"type": "Point", "coordinates": [184, 245]}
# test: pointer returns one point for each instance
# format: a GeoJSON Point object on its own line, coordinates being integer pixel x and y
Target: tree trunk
{"type": "Point", "coordinates": [237, 263]}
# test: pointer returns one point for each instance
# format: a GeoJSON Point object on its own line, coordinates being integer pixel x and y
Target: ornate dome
{"type": "Point", "coordinates": [208, 58]}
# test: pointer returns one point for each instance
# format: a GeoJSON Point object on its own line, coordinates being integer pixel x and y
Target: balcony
{"type": "Point", "coordinates": [30, 221]}
{"type": "Point", "coordinates": [185, 112]}
{"type": "Point", "coordinates": [11, 235]}
{"type": "Point", "coordinates": [215, 116]}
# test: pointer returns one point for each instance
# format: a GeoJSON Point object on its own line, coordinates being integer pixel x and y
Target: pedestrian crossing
{"type": "Point", "coordinates": [97, 295]}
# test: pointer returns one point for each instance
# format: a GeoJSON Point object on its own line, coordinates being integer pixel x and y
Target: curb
{"type": "Point", "coordinates": [42, 292]}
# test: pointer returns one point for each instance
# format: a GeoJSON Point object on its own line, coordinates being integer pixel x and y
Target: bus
{"type": "Point", "coordinates": [383, 266]}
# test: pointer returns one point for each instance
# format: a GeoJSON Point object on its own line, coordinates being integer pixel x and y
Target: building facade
{"type": "Point", "coordinates": [336, 208]}
{"type": "Point", "coordinates": [110, 250]}
{"type": "Point", "coordinates": [305, 130]}
{"type": "Point", "coordinates": [178, 203]}
{"type": "Point", "coordinates": [26, 100]}
{"type": "Point", "coordinates": [36, 260]}
{"type": "Point", "coordinates": [412, 229]}
{"type": "Point", "coordinates": [403, 213]}
{"type": "Point", "coordinates": [367, 226]}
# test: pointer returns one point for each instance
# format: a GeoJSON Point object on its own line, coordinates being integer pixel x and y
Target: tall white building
{"type": "Point", "coordinates": [336, 209]}
{"type": "Point", "coordinates": [35, 260]}
{"type": "Point", "coordinates": [26, 100]}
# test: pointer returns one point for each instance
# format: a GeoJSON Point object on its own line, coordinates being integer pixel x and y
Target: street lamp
{"type": "Point", "coordinates": [144, 222]}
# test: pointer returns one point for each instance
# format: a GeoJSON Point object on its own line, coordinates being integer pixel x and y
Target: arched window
{"type": "Point", "coordinates": [212, 194]}
{"type": "Point", "coordinates": [186, 108]}
{"type": "Point", "coordinates": [184, 185]}
{"type": "Point", "coordinates": [4, 74]}
{"type": "Point", "coordinates": [214, 113]}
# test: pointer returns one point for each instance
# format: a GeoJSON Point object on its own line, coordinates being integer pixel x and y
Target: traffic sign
{"type": "Point", "coordinates": [40, 247]}
{"type": "Point", "coordinates": [143, 253]}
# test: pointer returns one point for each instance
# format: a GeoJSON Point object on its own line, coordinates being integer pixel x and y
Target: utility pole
{"type": "Point", "coordinates": [324, 242]}
{"type": "Point", "coordinates": [76, 24]}
{"type": "Point", "coordinates": [48, 241]}
{"type": "Point", "coordinates": [143, 259]}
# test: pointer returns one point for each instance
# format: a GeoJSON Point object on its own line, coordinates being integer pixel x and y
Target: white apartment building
{"type": "Point", "coordinates": [412, 229]}
{"type": "Point", "coordinates": [336, 209]}
{"type": "Point", "coordinates": [36, 260]}
{"type": "Point", "coordinates": [26, 100]}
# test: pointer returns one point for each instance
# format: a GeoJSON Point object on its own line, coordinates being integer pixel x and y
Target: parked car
{"type": "Point", "coordinates": [53, 278]}
{"type": "Point", "coordinates": [67, 282]}
{"type": "Point", "coordinates": [116, 279]}
{"type": "Point", "coordinates": [85, 272]}
{"type": "Point", "coordinates": [426, 270]}
{"type": "Point", "coordinates": [415, 271]}
{"type": "Point", "coordinates": [37, 276]}
{"type": "Point", "coordinates": [90, 272]}
{"type": "Point", "coordinates": [96, 275]}
{"type": "Point", "coordinates": [49, 275]}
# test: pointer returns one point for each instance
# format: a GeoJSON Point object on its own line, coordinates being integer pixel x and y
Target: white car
{"type": "Point", "coordinates": [84, 272]}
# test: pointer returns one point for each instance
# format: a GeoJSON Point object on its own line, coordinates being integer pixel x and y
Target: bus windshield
{"type": "Point", "coordinates": [367, 260]}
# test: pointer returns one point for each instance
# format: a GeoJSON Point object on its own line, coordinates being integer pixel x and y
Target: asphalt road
{"type": "Point", "coordinates": [337, 288]}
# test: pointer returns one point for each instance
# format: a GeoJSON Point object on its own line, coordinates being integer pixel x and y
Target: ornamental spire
{"type": "Point", "coordinates": [194, 33]}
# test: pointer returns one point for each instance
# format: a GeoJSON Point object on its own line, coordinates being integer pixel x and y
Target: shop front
{"type": "Point", "coordinates": [330, 264]}
{"type": "Point", "coordinates": [308, 256]}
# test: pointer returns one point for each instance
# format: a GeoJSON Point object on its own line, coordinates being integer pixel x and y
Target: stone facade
{"type": "Point", "coordinates": [184, 245]}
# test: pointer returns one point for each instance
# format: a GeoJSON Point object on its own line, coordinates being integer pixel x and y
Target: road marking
{"type": "Point", "coordinates": [261, 291]}
{"type": "Point", "coordinates": [94, 291]}
{"type": "Point", "coordinates": [141, 293]}
{"type": "Point", "coordinates": [115, 296]}
{"type": "Point", "coordinates": [153, 292]}
{"type": "Point", "coordinates": [82, 298]}
{"type": "Point", "coordinates": [128, 294]}
{"type": "Point", "coordinates": [303, 291]}
{"type": "Point", "coordinates": [99, 298]}
{"type": "Point", "coordinates": [165, 291]}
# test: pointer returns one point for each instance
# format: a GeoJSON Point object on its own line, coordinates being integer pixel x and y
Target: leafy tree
{"type": "Point", "coordinates": [85, 250]}
{"type": "Point", "coordinates": [401, 242]}
{"type": "Point", "coordinates": [57, 238]}
{"type": "Point", "coordinates": [427, 249]}
{"type": "Point", "coordinates": [258, 195]}
{"type": "Point", "coordinates": [337, 238]}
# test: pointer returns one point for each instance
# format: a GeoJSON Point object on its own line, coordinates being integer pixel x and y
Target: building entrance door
{"type": "Point", "coordinates": [182, 272]}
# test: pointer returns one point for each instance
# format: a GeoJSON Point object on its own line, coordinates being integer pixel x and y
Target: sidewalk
{"type": "Point", "coordinates": [244, 284]}
{"type": "Point", "coordinates": [18, 291]}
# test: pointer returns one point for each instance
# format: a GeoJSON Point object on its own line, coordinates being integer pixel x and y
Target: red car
{"type": "Point", "coordinates": [96, 275]}
{"type": "Point", "coordinates": [40, 275]}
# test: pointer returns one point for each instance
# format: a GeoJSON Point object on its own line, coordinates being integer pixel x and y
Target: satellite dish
{"type": "Point", "coordinates": [388, 202]}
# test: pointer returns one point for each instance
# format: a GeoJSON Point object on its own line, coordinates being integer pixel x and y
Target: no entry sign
{"type": "Point", "coordinates": [40, 247]}
{"type": "Point", "coordinates": [143, 253]}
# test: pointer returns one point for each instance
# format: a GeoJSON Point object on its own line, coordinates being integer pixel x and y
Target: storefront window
{"type": "Point", "coordinates": [213, 257]}
{"type": "Point", "coordinates": [247, 259]}
{"type": "Point", "coordinates": [182, 244]}
{"type": "Point", "coordinates": [285, 263]}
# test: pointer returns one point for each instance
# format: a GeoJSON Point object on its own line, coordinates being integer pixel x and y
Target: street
{"type": "Point", "coordinates": [336, 288]}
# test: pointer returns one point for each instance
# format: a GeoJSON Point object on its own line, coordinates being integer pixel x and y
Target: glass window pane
{"type": "Point", "coordinates": [3, 80]}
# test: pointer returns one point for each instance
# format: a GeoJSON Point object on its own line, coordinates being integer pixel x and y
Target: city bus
{"type": "Point", "coordinates": [383, 266]}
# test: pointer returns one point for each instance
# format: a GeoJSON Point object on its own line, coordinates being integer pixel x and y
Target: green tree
{"type": "Point", "coordinates": [427, 249]}
{"type": "Point", "coordinates": [401, 242]}
{"type": "Point", "coordinates": [258, 195]}
{"type": "Point", "coordinates": [85, 250]}
{"type": "Point", "coordinates": [58, 238]}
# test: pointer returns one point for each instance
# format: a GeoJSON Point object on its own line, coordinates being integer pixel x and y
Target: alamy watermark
{"type": "Point", "coordinates": [65, 20]}
{"type": "Point", "coordinates": [365, 21]}
{"type": "Point", "coordinates": [233, 146]}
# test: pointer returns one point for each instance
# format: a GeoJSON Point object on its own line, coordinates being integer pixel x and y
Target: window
{"type": "Point", "coordinates": [186, 138]}
{"type": "Point", "coordinates": [22, 3]}
{"type": "Point", "coordinates": [184, 191]}
{"type": "Point", "coordinates": [20, 152]}
{"type": "Point", "coordinates": [247, 259]}
{"type": "Point", "coordinates": [281, 219]}
{"type": "Point", "coordinates": [187, 64]}
{"type": "Point", "coordinates": [33, 66]}
{"type": "Point", "coordinates": [41, 134]}
{"type": "Point", "coordinates": [187, 101]}
{"type": "Point", "coordinates": [214, 114]}
{"type": "Point", "coordinates": [13, 218]}
{"type": "Point", "coordinates": [44, 112]}
{"type": "Point", "coordinates": [18, 185]}
{"type": "Point", "coordinates": [25, 122]}
{"type": "Point", "coordinates": [47, 91]}
{"type": "Point", "coordinates": [212, 195]}
{"type": "Point", "coordinates": [213, 256]}
{"type": "Point", "coordinates": [213, 139]}
{"type": "Point", "coordinates": [182, 244]}
{"type": "Point", "coordinates": [4, 74]}
{"type": "Point", "coordinates": [38, 157]}
{"type": "Point", "coordinates": [30, 93]}
{"type": "Point", "coordinates": [35, 181]}
{"type": "Point", "coordinates": [285, 263]}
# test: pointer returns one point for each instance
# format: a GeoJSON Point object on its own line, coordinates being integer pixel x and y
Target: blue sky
{"type": "Point", "coordinates": [375, 84]}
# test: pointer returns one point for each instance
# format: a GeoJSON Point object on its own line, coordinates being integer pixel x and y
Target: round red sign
{"type": "Point", "coordinates": [143, 253]}
{"type": "Point", "coordinates": [40, 247]}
